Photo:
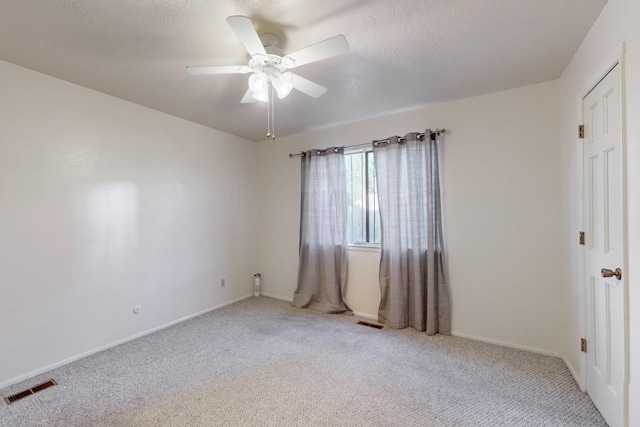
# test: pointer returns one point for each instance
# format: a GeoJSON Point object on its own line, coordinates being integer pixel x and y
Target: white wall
{"type": "Point", "coordinates": [105, 204]}
{"type": "Point", "coordinates": [618, 23]}
{"type": "Point", "coordinates": [502, 207]}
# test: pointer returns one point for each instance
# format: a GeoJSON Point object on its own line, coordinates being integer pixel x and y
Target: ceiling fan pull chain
{"type": "Point", "coordinates": [268, 115]}
{"type": "Point", "coordinates": [273, 115]}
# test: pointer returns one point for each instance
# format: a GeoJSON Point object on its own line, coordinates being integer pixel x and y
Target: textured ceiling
{"type": "Point", "coordinates": [404, 53]}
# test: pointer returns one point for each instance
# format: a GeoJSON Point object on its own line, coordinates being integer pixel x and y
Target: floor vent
{"type": "Point", "coordinates": [371, 325]}
{"type": "Point", "coordinates": [29, 392]}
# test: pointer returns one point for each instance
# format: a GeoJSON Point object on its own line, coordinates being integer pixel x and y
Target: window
{"type": "Point", "coordinates": [363, 216]}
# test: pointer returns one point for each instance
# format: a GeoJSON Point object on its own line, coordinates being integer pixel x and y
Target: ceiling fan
{"type": "Point", "coordinates": [269, 66]}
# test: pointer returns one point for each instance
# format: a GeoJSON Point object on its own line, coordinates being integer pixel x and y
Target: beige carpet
{"type": "Point", "coordinates": [261, 362]}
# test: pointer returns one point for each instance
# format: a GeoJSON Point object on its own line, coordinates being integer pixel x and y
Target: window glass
{"type": "Point", "coordinates": [363, 217]}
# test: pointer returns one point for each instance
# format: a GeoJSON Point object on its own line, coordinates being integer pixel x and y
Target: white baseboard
{"type": "Point", "coordinates": [366, 316]}
{"type": "Point", "coordinates": [471, 337]}
{"type": "Point", "coordinates": [113, 344]}
{"type": "Point", "coordinates": [281, 298]}
{"type": "Point", "coordinates": [574, 373]}
{"type": "Point", "coordinates": [288, 299]}
{"type": "Point", "coordinates": [506, 344]}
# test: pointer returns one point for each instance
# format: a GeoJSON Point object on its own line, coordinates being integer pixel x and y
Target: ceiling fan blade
{"type": "Point", "coordinates": [325, 49]}
{"type": "Point", "coordinates": [246, 32]}
{"type": "Point", "coordinates": [223, 69]}
{"type": "Point", "coordinates": [308, 87]}
{"type": "Point", "coordinates": [248, 97]}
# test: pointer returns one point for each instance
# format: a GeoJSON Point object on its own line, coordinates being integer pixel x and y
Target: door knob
{"type": "Point", "coordinates": [609, 273]}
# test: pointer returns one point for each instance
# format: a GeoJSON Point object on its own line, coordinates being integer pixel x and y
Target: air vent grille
{"type": "Point", "coordinates": [29, 392]}
{"type": "Point", "coordinates": [371, 325]}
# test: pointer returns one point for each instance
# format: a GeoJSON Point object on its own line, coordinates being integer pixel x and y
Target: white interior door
{"type": "Point", "coordinates": [603, 169]}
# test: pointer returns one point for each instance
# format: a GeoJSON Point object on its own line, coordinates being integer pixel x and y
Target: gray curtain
{"type": "Point", "coordinates": [412, 283]}
{"type": "Point", "coordinates": [322, 270]}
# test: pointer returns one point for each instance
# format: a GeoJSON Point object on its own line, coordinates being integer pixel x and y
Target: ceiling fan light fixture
{"type": "Point", "coordinates": [283, 84]}
{"type": "Point", "coordinates": [261, 96]}
{"type": "Point", "coordinates": [259, 85]}
{"type": "Point", "coordinates": [288, 62]}
{"type": "Point", "coordinates": [258, 82]}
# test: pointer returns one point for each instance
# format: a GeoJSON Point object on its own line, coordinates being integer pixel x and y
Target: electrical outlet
{"type": "Point", "coordinates": [223, 283]}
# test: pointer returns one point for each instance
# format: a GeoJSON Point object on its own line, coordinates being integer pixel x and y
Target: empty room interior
{"type": "Point", "coordinates": [200, 200]}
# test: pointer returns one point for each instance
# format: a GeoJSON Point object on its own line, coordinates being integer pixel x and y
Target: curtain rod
{"type": "Point", "coordinates": [420, 135]}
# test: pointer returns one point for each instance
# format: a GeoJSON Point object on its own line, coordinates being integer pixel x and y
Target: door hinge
{"type": "Point", "coordinates": [581, 131]}
{"type": "Point", "coordinates": [583, 345]}
{"type": "Point", "coordinates": [582, 237]}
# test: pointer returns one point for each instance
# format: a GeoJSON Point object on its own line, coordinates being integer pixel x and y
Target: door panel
{"type": "Point", "coordinates": [604, 247]}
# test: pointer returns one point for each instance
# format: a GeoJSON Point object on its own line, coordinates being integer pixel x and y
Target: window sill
{"type": "Point", "coordinates": [363, 248]}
